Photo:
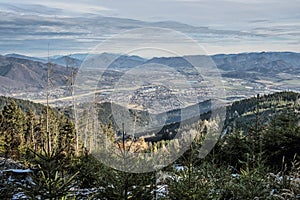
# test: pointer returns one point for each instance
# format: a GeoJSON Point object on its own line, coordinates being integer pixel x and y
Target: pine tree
{"type": "Point", "coordinates": [12, 129]}
{"type": "Point", "coordinates": [29, 130]}
{"type": "Point", "coordinates": [50, 130]}
{"type": "Point", "coordinates": [118, 185]}
{"type": "Point", "coordinates": [234, 149]}
{"type": "Point", "coordinates": [282, 138]}
{"type": "Point", "coordinates": [53, 179]}
{"type": "Point", "coordinates": [67, 136]}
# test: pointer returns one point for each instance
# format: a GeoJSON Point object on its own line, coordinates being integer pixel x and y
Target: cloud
{"type": "Point", "coordinates": [79, 27]}
{"type": "Point", "coordinates": [30, 9]}
{"type": "Point", "coordinates": [227, 1]}
{"type": "Point", "coordinates": [77, 6]}
{"type": "Point", "coordinates": [54, 7]}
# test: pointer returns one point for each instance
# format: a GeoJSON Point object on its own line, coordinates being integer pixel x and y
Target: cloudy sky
{"type": "Point", "coordinates": [220, 26]}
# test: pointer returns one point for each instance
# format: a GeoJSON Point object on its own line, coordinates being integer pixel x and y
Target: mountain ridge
{"type": "Point", "coordinates": [243, 74]}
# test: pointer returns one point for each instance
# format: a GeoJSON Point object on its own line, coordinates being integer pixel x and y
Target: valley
{"type": "Point", "coordinates": [137, 100]}
{"type": "Point", "coordinates": [157, 84]}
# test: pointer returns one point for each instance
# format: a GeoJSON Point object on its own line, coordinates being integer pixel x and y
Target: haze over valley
{"type": "Point", "coordinates": [151, 99]}
{"type": "Point", "coordinates": [242, 75]}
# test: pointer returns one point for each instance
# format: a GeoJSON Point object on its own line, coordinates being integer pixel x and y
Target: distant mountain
{"type": "Point", "coordinates": [271, 62]}
{"type": "Point", "coordinates": [244, 74]}
{"type": "Point", "coordinates": [278, 68]}
{"type": "Point", "coordinates": [126, 62]}
{"type": "Point", "coordinates": [116, 61]}
{"type": "Point", "coordinates": [66, 61]}
{"type": "Point", "coordinates": [20, 74]}
{"type": "Point", "coordinates": [258, 65]}
{"type": "Point", "coordinates": [25, 75]}
{"type": "Point", "coordinates": [13, 55]}
{"type": "Point", "coordinates": [113, 61]}
{"type": "Point", "coordinates": [79, 56]}
{"type": "Point", "coordinates": [171, 61]}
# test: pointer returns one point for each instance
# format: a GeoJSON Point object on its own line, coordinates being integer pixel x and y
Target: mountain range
{"type": "Point", "coordinates": [21, 75]}
{"type": "Point", "coordinates": [243, 74]}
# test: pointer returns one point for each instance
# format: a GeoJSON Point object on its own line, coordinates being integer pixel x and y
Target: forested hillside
{"type": "Point", "coordinates": [257, 156]}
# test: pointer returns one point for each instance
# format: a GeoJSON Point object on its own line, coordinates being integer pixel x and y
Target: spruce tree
{"type": "Point", "coordinates": [12, 129]}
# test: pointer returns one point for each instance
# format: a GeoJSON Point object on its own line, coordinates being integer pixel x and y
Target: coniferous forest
{"type": "Point", "coordinates": [256, 157]}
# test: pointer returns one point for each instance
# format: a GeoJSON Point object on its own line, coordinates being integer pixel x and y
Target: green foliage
{"type": "Point", "coordinates": [48, 150]}
{"type": "Point", "coordinates": [66, 137]}
{"type": "Point", "coordinates": [206, 181]}
{"type": "Point", "coordinates": [263, 130]}
{"type": "Point", "coordinates": [13, 123]}
{"type": "Point", "coordinates": [234, 148]}
{"type": "Point", "coordinates": [53, 158]}
{"type": "Point", "coordinates": [286, 183]}
{"type": "Point", "coordinates": [251, 182]}
{"type": "Point", "coordinates": [122, 185]}
{"type": "Point", "coordinates": [282, 139]}
{"type": "Point", "coordinates": [51, 180]}
{"type": "Point", "coordinates": [7, 189]}
{"type": "Point", "coordinates": [24, 105]}
{"type": "Point", "coordinates": [90, 171]}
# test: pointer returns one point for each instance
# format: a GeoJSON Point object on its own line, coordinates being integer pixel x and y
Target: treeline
{"type": "Point", "coordinates": [256, 158]}
{"type": "Point", "coordinates": [25, 129]}
{"type": "Point", "coordinates": [43, 140]}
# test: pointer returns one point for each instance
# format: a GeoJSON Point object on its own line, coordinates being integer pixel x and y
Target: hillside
{"type": "Point", "coordinates": [238, 114]}
{"type": "Point", "coordinates": [259, 65]}
{"type": "Point", "coordinates": [242, 113]}
{"type": "Point", "coordinates": [23, 75]}
{"type": "Point", "coordinates": [259, 150]}
{"type": "Point", "coordinates": [243, 75]}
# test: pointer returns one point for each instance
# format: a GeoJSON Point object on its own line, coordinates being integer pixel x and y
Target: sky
{"type": "Point", "coordinates": [219, 26]}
